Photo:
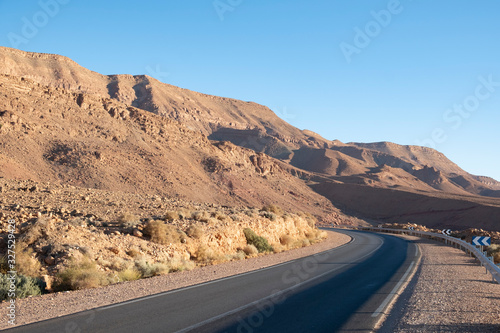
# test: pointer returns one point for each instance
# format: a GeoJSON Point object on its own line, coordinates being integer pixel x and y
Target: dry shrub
{"type": "Point", "coordinates": [133, 252]}
{"type": "Point", "coordinates": [315, 234]}
{"type": "Point", "coordinates": [128, 220]}
{"type": "Point", "coordinates": [194, 231]}
{"type": "Point", "coordinates": [250, 250]}
{"type": "Point", "coordinates": [240, 255]}
{"type": "Point", "coordinates": [494, 251]}
{"type": "Point", "coordinates": [271, 208]}
{"type": "Point", "coordinates": [206, 255]}
{"type": "Point", "coordinates": [80, 274]}
{"type": "Point", "coordinates": [178, 264]}
{"type": "Point", "coordinates": [305, 242]}
{"type": "Point", "coordinates": [287, 240]}
{"type": "Point", "coordinates": [218, 215]}
{"type": "Point", "coordinates": [35, 231]}
{"type": "Point", "coordinates": [201, 216]}
{"type": "Point", "coordinates": [171, 215]}
{"type": "Point", "coordinates": [147, 267]}
{"type": "Point", "coordinates": [162, 233]}
{"type": "Point", "coordinates": [26, 263]}
{"type": "Point", "coordinates": [129, 274]}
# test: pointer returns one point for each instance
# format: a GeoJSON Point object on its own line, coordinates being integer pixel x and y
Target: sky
{"type": "Point", "coordinates": [413, 72]}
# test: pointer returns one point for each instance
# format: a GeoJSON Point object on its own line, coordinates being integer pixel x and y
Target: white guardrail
{"type": "Point", "coordinates": [470, 249]}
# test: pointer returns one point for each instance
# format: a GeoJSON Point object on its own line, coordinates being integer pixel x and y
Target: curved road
{"type": "Point", "coordinates": [343, 289]}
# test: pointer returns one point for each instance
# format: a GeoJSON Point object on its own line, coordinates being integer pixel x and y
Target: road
{"type": "Point", "coordinates": [343, 289]}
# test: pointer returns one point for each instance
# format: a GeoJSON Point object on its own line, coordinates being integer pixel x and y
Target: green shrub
{"type": "Point", "coordinates": [25, 286]}
{"type": "Point", "coordinates": [259, 242]}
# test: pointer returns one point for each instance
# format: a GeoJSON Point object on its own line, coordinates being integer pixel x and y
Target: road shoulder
{"type": "Point", "coordinates": [450, 293]}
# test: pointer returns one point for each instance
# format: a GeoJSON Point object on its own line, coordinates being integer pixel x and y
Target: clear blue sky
{"type": "Point", "coordinates": [328, 66]}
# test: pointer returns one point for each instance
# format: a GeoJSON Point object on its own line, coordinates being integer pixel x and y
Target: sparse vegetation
{"type": "Point", "coordinates": [26, 263]}
{"type": "Point", "coordinates": [194, 231]}
{"type": "Point", "coordinates": [259, 242]}
{"type": "Point", "coordinates": [250, 250]}
{"type": "Point", "coordinates": [287, 240]}
{"type": "Point", "coordinates": [494, 251]}
{"type": "Point", "coordinates": [206, 255]}
{"type": "Point", "coordinates": [271, 208]}
{"type": "Point", "coordinates": [80, 274]}
{"type": "Point", "coordinates": [128, 220]}
{"type": "Point", "coordinates": [147, 267]}
{"type": "Point", "coordinates": [162, 233]}
{"type": "Point", "coordinates": [24, 285]}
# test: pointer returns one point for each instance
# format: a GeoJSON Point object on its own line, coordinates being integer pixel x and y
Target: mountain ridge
{"type": "Point", "coordinates": [267, 144]}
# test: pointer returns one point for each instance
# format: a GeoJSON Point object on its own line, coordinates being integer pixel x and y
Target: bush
{"type": "Point", "coordinates": [194, 231]}
{"type": "Point", "coordinates": [35, 231]}
{"type": "Point", "coordinates": [24, 286]}
{"type": "Point", "coordinates": [250, 250]}
{"type": "Point", "coordinates": [270, 216]}
{"type": "Point", "coordinates": [259, 242]}
{"type": "Point", "coordinates": [171, 215]}
{"type": "Point", "coordinates": [273, 209]}
{"type": "Point", "coordinates": [80, 274]}
{"type": "Point", "coordinates": [201, 216]}
{"type": "Point", "coordinates": [287, 240]}
{"type": "Point", "coordinates": [129, 274]}
{"type": "Point", "coordinates": [26, 264]}
{"type": "Point", "coordinates": [205, 254]}
{"type": "Point", "coordinates": [128, 220]}
{"type": "Point", "coordinates": [148, 269]}
{"type": "Point", "coordinates": [162, 233]}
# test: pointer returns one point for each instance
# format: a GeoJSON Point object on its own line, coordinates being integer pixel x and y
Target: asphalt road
{"type": "Point", "coordinates": [344, 289]}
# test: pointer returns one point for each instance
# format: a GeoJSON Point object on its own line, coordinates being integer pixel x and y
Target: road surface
{"type": "Point", "coordinates": [344, 289]}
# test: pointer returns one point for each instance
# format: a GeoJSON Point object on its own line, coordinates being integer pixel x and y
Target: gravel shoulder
{"type": "Point", "coordinates": [450, 292]}
{"type": "Point", "coordinates": [48, 306]}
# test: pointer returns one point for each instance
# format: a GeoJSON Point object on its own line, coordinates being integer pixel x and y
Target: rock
{"type": "Point", "coordinates": [48, 282]}
{"type": "Point", "coordinates": [33, 189]}
{"type": "Point", "coordinates": [137, 233]}
{"type": "Point", "coordinates": [115, 250]}
{"type": "Point", "coordinates": [50, 260]}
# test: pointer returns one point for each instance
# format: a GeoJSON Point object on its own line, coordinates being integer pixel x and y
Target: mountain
{"type": "Point", "coordinates": [61, 122]}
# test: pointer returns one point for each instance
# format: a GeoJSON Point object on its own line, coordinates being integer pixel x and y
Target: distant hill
{"type": "Point", "coordinates": [62, 122]}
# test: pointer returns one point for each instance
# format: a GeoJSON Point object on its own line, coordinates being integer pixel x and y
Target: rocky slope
{"type": "Point", "coordinates": [63, 123]}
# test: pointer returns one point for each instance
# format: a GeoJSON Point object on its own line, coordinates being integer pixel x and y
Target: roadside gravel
{"type": "Point", "coordinates": [450, 292]}
{"type": "Point", "coordinates": [47, 306]}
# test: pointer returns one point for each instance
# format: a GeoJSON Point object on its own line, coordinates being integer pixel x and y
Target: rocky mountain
{"type": "Point", "coordinates": [63, 123]}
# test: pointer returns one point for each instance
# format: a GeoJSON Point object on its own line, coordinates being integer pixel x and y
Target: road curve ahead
{"type": "Point", "coordinates": [343, 289]}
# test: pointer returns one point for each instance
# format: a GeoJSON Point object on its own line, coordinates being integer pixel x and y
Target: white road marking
{"type": "Point", "coordinates": [210, 282]}
{"type": "Point", "coordinates": [205, 322]}
{"type": "Point", "coordinates": [393, 292]}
